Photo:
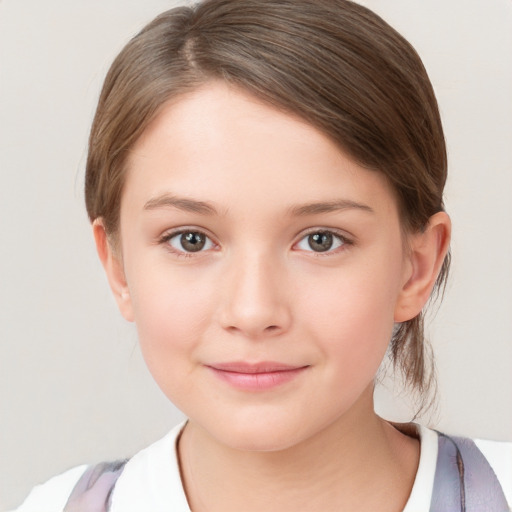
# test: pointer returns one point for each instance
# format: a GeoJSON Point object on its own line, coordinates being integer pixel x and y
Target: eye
{"type": "Point", "coordinates": [322, 241]}
{"type": "Point", "coordinates": [189, 241]}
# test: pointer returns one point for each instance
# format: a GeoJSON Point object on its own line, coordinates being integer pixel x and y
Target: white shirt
{"type": "Point", "coordinates": [151, 479]}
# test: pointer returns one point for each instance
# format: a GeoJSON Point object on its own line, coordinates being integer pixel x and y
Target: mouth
{"type": "Point", "coordinates": [256, 376]}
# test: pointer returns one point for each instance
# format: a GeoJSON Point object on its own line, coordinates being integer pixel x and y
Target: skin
{"type": "Point", "coordinates": [220, 163]}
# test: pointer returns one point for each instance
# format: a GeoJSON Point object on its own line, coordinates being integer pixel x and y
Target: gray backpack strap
{"type": "Point", "coordinates": [464, 481]}
{"type": "Point", "coordinates": [93, 490]}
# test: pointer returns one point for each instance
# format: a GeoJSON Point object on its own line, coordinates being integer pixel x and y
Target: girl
{"type": "Point", "coordinates": [265, 182]}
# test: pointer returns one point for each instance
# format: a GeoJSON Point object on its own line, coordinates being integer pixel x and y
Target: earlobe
{"type": "Point", "coordinates": [427, 251]}
{"type": "Point", "coordinates": [113, 266]}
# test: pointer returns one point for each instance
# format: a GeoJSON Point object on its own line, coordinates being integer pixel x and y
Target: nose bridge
{"type": "Point", "coordinates": [255, 303]}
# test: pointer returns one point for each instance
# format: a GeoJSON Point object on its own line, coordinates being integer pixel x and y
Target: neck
{"type": "Point", "coordinates": [360, 462]}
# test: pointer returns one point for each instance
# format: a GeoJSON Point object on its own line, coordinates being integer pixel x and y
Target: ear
{"type": "Point", "coordinates": [427, 251]}
{"type": "Point", "coordinates": [112, 263]}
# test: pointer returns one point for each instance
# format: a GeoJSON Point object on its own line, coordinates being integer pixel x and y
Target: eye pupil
{"type": "Point", "coordinates": [320, 242]}
{"type": "Point", "coordinates": [192, 242]}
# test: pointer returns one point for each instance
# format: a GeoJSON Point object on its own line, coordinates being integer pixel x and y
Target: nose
{"type": "Point", "coordinates": [255, 302]}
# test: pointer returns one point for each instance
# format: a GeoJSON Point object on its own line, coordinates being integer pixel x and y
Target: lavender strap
{"type": "Point", "coordinates": [93, 491]}
{"type": "Point", "coordinates": [464, 481]}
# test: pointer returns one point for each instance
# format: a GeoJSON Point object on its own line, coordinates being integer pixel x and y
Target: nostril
{"type": "Point", "coordinates": [271, 328]}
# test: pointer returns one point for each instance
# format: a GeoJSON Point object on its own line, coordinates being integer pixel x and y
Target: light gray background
{"type": "Point", "coordinates": [73, 386]}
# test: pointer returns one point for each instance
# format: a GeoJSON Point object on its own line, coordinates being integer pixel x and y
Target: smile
{"type": "Point", "coordinates": [256, 377]}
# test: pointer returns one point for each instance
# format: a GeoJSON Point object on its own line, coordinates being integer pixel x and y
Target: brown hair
{"type": "Point", "coordinates": [334, 63]}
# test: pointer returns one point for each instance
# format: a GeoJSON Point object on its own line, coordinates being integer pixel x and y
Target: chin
{"type": "Point", "coordinates": [261, 432]}
{"type": "Point", "coordinates": [260, 440]}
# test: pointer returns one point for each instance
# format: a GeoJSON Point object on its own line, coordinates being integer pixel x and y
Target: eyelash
{"type": "Point", "coordinates": [342, 239]}
{"type": "Point", "coordinates": [167, 237]}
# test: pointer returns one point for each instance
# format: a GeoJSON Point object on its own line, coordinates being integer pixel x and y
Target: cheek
{"type": "Point", "coordinates": [171, 313]}
{"type": "Point", "coordinates": [352, 319]}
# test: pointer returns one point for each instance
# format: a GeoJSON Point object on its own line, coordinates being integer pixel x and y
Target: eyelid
{"type": "Point", "coordinates": [346, 239]}
{"type": "Point", "coordinates": [165, 237]}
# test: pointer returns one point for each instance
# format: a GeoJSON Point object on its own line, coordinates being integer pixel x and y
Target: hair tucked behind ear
{"type": "Point", "coordinates": [410, 351]}
{"type": "Point", "coordinates": [334, 63]}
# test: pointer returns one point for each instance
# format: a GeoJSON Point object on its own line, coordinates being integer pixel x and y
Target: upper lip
{"type": "Point", "coordinates": [260, 367]}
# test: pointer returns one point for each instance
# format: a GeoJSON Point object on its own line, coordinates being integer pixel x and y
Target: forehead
{"type": "Point", "coordinates": [221, 144]}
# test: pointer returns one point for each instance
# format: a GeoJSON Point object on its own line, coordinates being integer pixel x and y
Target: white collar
{"type": "Point", "coordinates": [421, 493]}
{"type": "Point", "coordinates": [151, 479]}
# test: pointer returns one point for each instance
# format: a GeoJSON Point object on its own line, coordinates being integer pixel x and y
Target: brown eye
{"type": "Point", "coordinates": [190, 241]}
{"type": "Point", "coordinates": [321, 241]}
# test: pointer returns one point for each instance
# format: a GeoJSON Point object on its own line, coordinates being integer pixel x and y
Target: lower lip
{"type": "Point", "coordinates": [258, 381]}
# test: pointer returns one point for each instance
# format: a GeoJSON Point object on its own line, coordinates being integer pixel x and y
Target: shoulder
{"type": "Point", "coordinates": [475, 472]}
{"type": "Point", "coordinates": [150, 480]}
{"type": "Point", "coordinates": [53, 494]}
{"type": "Point", "coordinates": [450, 467]}
{"type": "Point", "coordinates": [464, 475]}
{"type": "Point", "coordinates": [499, 456]}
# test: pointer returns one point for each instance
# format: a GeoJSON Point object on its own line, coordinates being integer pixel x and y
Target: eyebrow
{"type": "Point", "coordinates": [181, 203]}
{"type": "Point", "coordinates": [329, 207]}
{"type": "Point", "coordinates": [205, 208]}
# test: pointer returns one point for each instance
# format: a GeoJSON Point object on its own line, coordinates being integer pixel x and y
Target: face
{"type": "Point", "coordinates": [263, 268]}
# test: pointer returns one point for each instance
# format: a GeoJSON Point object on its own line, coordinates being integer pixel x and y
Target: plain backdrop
{"type": "Point", "coordinates": [73, 387]}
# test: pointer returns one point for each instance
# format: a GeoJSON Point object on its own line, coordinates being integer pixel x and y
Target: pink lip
{"type": "Point", "coordinates": [256, 376]}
